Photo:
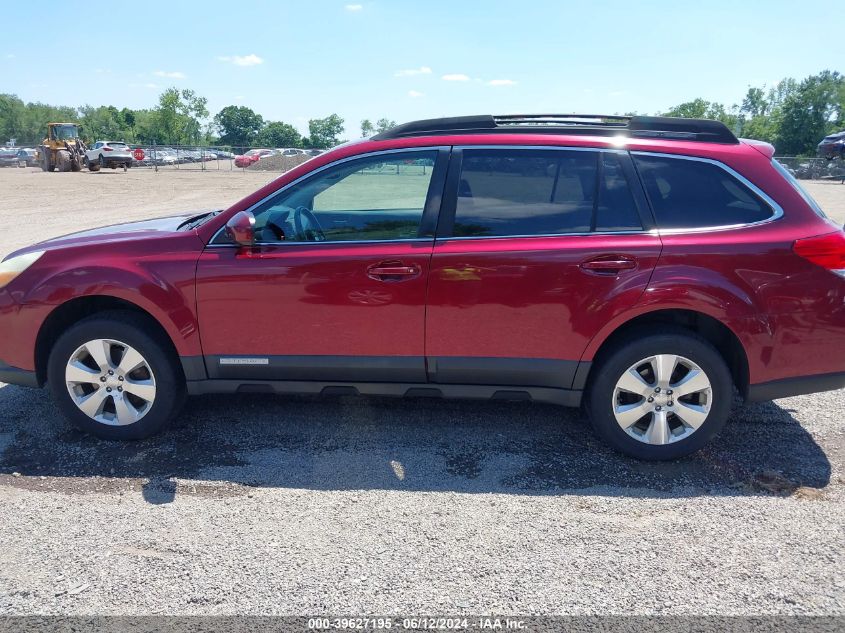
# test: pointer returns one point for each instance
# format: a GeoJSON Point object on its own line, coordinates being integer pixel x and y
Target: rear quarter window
{"type": "Point", "coordinates": [691, 194]}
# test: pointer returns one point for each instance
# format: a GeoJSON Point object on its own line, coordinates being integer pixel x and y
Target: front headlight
{"type": "Point", "coordinates": [13, 267]}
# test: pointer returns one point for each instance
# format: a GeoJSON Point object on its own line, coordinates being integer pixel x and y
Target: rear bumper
{"type": "Point", "coordinates": [788, 387]}
{"type": "Point", "coordinates": [16, 376]}
{"type": "Point", "coordinates": [119, 159]}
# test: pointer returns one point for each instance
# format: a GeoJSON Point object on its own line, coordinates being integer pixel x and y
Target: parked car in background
{"type": "Point", "coordinates": [313, 152]}
{"type": "Point", "coordinates": [290, 151]}
{"type": "Point", "coordinates": [27, 157]}
{"type": "Point", "coordinates": [832, 146]}
{"type": "Point", "coordinates": [9, 156]}
{"type": "Point", "coordinates": [110, 154]}
{"type": "Point", "coordinates": [252, 156]}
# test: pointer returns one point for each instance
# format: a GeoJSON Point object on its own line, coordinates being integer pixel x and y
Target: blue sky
{"type": "Point", "coordinates": [295, 60]}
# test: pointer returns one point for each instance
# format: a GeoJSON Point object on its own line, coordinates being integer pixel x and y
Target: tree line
{"type": "Point", "coordinates": [793, 115]}
{"type": "Point", "coordinates": [181, 117]}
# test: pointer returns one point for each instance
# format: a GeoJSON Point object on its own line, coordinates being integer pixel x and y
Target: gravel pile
{"type": "Point", "coordinates": [278, 163]}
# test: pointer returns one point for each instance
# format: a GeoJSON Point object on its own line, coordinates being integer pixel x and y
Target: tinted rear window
{"type": "Point", "coordinates": [696, 194]}
{"type": "Point", "coordinates": [542, 192]}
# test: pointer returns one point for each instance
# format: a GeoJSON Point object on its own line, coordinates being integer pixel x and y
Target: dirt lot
{"type": "Point", "coordinates": [267, 505]}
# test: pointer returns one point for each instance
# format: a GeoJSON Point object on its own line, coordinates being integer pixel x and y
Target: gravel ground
{"type": "Point", "coordinates": [299, 505]}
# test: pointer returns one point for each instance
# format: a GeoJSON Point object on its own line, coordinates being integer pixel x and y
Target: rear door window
{"type": "Point", "coordinates": [518, 192]}
{"type": "Point", "coordinates": [689, 194]}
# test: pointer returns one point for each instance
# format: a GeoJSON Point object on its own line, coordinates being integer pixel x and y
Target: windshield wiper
{"type": "Point", "coordinates": [197, 220]}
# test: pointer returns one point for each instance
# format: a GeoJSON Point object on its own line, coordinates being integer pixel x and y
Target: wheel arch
{"type": "Point", "coordinates": [714, 331]}
{"type": "Point", "coordinates": [75, 310]}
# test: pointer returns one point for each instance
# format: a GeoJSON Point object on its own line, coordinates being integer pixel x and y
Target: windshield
{"type": "Point", "coordinates": [797, 186]}
{"type": "Point", "coordinates": [65, 132]}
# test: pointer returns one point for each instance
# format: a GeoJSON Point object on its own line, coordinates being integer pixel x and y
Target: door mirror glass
{"type": "Point", "coordinates": [241, 228]}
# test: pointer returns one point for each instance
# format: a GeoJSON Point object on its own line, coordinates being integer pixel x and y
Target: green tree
{"type": "Point", "coordinates": [11, 116]}
{"type": "Point", "coordinates": [367, 129]}
{"type": "Point", "coordinates": [106, 123]}
{"type": "Point", "coordinates": [239, 126]}
{"type": "Point", "coordinates": [27, 122]}
{"type": "Point", "coordinates": [325, 133]}
{"type": "Point", "coordinates": [382, 125]}
{"type": "Point", "coordinates": [178, 116]}
{"type": "Point", "coordinates": [703, 109]}
{"type": "Point", "coordinates": [811, 111]}
{"type": "Point", "coordinates": [278, 134]}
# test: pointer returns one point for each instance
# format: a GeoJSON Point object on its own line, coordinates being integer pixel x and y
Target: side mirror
{"type": "Point", "coordinates": [241, 228]}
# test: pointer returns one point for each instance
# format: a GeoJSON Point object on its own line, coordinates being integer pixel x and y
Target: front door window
{"type": "Point", "coordinates": [379, 198]}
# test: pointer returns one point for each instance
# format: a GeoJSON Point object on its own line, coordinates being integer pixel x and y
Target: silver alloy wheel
{"type": "Point", "coordinates": [662, 399]}
{"type": "Point", "coordinates": [110, 382]}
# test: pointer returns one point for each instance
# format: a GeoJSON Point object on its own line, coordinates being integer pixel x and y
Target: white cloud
{"type": "Point", "coordinates": [354, 7]}
{"type": "Point", "coordinates": [239, 98]}
{"type": "Point", "coordinates": [102, 71]}
{"type": "Point", "coordinates": [501, 82]}
{"type": "Point", "coordinates": [415, 93]}
{"type": "Point", "coordinates": [410, 72]}
{"type": "Point", "coordinates": [455, 77]}
{"type": "Point", "coordinates": [242, 60]}
{"type": "Point", "coordinates": [11, 56]}
{"type": "Point", "coordinates": [169, 74]}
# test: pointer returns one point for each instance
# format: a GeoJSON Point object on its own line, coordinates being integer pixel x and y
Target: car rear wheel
{"type": "Point", "coordinates": [113, 379]}
{"type": "Point", "coordinates": [660, 396]}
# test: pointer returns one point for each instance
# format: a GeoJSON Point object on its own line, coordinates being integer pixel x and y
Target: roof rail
{"type": "Point", "coordinates": [704, 130]}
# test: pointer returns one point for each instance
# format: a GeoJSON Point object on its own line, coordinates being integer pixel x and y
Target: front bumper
{"type": "Point", "coordinates": [16, 376]}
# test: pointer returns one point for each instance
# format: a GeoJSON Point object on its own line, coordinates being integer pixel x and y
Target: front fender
{"type": "Point", "coordinates": [162, 285]}
{"type": "Point", "coordinates": [151, 288]}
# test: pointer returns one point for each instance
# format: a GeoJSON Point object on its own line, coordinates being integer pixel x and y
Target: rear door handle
{"type": "Point", "coordinates": [393, 271]}
{"type": "Point", "coordinates": [609, 265]}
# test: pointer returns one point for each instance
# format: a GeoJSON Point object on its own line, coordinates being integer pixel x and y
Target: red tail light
{"type": "Point", "coordinates": [827, 251]}
{"type": "Point", "coordinates": [106, 148]}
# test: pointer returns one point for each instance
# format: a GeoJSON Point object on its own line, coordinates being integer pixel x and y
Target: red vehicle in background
{"type": "Point", "coordinates": [643, 267]}
{"type": "Point", "coordinates": [252, 156]}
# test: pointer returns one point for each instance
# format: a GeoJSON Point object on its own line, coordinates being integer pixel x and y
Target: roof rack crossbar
{"type": "Point", "coordinates": [703, 130]}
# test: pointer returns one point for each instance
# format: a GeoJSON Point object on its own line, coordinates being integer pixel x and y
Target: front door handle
{"type": "Point", "coordinates": [393, 271]}
{"type": "Point", "coordinates": [610, 265]}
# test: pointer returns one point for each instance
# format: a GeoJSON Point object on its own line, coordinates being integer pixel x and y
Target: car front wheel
{"type": "Point", "coordinates": [660, 396]}
{"type": "Point", "coordinates": [113, 379]}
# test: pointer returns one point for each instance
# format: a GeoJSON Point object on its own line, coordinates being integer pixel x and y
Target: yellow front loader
{"type": "Point", "coordinates": [62, 149]}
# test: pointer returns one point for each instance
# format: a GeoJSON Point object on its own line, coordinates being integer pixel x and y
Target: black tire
{"type": "Point", "coordinates": [609, 369]}
{"type": "Point", "coordinates": [92, 166]}
{"type": "Point", "coordinates": [140, 333]}
{"type": "Point", "coordinates": [45, 159]}
{"type": "Point", "coordinates": [63, 160]}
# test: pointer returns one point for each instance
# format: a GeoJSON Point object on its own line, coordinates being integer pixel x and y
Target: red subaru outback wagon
{"type": "Point", "coordinates": [644, 267]}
